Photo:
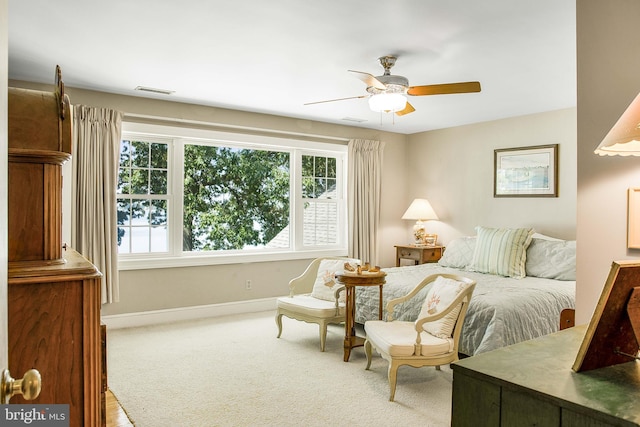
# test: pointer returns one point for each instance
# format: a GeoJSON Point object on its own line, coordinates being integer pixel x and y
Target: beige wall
{"type": "Point", "coordinates": [453, 168]}
{"type": "Point", "coordinates": [608, 53]}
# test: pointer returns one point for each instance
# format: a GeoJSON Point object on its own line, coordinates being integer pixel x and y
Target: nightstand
{"type": "Point", "coordinates": [419, 254]}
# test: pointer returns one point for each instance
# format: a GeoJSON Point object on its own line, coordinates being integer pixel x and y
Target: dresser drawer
{"type": "Point", "coordinates": [418, 254]}
{"type": "Point", "coordinates": [407, 253]}
{"type": "Point", "coordinates": [431, 254]}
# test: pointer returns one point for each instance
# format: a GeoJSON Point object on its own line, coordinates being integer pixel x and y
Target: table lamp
{"type": "Point", "coordinates": [420, 210]}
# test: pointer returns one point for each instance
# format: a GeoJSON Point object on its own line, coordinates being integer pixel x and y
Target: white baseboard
{"type": "Point", "coordinates": [155, 317]}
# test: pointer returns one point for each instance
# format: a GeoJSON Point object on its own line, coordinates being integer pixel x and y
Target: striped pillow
{"type": "Point", "coordinates": [501, 251]}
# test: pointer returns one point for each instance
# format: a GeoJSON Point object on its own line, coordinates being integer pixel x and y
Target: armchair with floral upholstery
{"type": "Point", "coordinates": [431, 340]}
{"type": "Point", "coordinates": [324, 305]}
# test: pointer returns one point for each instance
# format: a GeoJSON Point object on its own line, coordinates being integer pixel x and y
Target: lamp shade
{"type": "Point", "coordinates": [420, 209]}
{"type": "Point", "coordinates": [388, 102]}
{"type": "Point", "coordinates": [624, 137]}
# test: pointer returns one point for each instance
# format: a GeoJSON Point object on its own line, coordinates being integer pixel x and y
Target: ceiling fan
{"type": "Point", "coordinates": [387, 92]}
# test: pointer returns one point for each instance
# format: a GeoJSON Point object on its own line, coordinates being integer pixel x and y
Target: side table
{"type": "Point", "coordinates": [351, 281]}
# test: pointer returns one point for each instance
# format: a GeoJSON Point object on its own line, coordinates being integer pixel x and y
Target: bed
{"type": "Point", "coordinates": [522, 286]}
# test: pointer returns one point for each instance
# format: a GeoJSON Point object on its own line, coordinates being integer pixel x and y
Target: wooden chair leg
{"type": "Point", "coordinates": [323, 335]}
{"type": "Point", "coordinates": [393, 379]}
{"type": "Point", "coordinates": [279, 323]}
{"type": "Point", "coordinates": [367, 351]}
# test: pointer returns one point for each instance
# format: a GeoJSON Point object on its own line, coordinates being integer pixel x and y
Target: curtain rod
{"type": "Point", "coordinates": [227, 127]}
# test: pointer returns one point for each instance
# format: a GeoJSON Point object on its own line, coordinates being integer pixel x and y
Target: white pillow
{"type": "Point", "coordinates": [323, 287]}
{"type": "Point", "coordinates": [544, 236]}
{"type": "Point", "coordinates": [443, 291]}
{"type": "Point", "coordinates": [552, 259]}
{"type": "Point", "coordinates": [501, 251]}
{"type": "Point", "coordinates": [459, 253]}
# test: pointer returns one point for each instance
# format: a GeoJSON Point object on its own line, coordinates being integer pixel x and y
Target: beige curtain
{"type": "Point", "coordinates": [364, 186]}
{"type": "Point", "coordinates": [95, 153]}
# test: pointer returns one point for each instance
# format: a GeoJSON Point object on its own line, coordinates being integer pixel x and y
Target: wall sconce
{"type": "Point", "coordinates": [420, 210]}
{"type": "Point", "coordinates": [624, 137]}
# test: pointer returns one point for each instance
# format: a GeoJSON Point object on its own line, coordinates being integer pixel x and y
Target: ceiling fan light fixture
{"type": "Point", "coordinates": [388, 93]}
{"type": "Point", "coordinates": [388, 102]}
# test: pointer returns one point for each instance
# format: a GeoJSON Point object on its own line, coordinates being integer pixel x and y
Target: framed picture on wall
{"type": "Point", "coordinates": [526, 171]}
{"type": "Point", "coordinates": [633, 219]}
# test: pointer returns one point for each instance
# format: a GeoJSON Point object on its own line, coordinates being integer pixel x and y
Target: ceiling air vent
{"type": "Point", "coordinates": [154, 90]}
{"type": "Point", "coordinates": [354, 119]}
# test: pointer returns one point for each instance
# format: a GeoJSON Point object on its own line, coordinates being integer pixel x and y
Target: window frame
{"type": "Point", "coordinates": [178, 136]}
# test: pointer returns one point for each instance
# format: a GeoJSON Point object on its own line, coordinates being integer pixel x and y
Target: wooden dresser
{"type": "Point", "coordinates": [53, 292]}
{"type": "Point", "coordinates": [532, 384]}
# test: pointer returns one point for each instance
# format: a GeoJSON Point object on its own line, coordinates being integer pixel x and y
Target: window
{"type": "Point", "coordinates": [143, 194]}
{"type": "Point", "coordinates": [189, 196]}
{"type": "Point", "coordinates": [319, 192]}
{"type": "Point", "coordinates": [234, 198]}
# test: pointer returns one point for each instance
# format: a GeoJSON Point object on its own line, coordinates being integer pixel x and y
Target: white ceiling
{"type": "Point", "coordinates": [274, 56]}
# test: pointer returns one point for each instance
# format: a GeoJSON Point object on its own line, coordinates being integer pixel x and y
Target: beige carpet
{"type": "Point", "coordinates": [233, 371]}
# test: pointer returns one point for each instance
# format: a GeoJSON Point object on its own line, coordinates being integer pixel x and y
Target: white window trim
{"type": "Point", "coordinates": [173, 259]}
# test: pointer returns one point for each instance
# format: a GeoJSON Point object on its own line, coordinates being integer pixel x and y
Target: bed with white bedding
{"type": "Point", "coordinates": [508, 305]}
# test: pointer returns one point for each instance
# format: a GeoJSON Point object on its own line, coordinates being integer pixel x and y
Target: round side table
{"type": "Point", "coordinates": [351, 280]}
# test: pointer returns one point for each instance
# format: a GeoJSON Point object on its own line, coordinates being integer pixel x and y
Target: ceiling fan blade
{"type": "Point", "coordinates": [445, 88]}
{"type": "Point", "coordinates": [408, 109]}
{"type": "Point", "coordinates": [369, 79]}
{"type": "Point", "coordinates": [337, 99]}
